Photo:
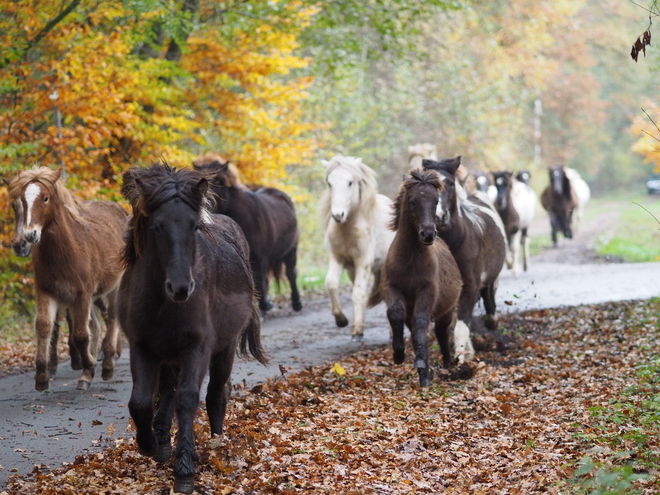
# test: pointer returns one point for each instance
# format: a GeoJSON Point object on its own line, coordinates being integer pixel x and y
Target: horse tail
{"type": "Point", "coordinates": [375, 297]}
{"type": "Point", "coordinates": [251, 337]}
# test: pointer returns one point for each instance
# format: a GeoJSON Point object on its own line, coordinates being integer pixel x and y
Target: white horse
{"type": "Point", "coordinates": [357, 233]}
{"type": "Point", "coordinates": [582, 193]}
{"type": "Point", "coordinates": [516, 204]}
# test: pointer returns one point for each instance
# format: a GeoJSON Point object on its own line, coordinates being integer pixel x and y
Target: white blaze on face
{"type": "Point", "coordinates": [32, 192]}
{"type": "Point", "coordinates": [441, 208]}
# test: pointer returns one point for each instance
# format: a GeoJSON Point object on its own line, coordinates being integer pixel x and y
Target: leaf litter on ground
{"type": "Point", "coordinates": [567, 404]}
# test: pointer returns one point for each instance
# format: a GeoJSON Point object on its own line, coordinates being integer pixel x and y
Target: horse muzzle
{"type": "Point", "coordinates": [21, 248]}
{"type": "Point", "coordinates": [32, 236]}
{"type": "Point", "coordinates": [428, 235]}
{"type": "Point", "coordinates": [179, 292]}
{"type": "Point", "coordinates": [339, 217]}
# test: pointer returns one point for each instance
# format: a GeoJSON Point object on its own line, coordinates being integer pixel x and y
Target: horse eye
{"type": "Point", "coordinates": [46, 199]}
{"type": "Point", "coordinates": [350, 183]}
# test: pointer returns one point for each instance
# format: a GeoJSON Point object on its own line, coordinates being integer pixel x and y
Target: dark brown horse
{"type": "Point", "coordinates": [565, 195]}
{"type": "Point", "coordinates": [420, 281]}
{"type": "Point", "coordinates": [475, 236]}
{"type": "Point", "coordinates": [187, 305]}
{"type": "Point", "coordinates": [268, 220]}
{"type": "Point", "coordinates": [75, 259]}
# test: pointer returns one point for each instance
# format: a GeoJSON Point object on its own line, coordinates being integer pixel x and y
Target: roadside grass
{"type": "Point", "coordinates": [636, 237]}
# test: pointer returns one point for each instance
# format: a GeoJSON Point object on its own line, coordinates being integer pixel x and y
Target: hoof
{"type": "Point", "coordinates": [490, 322]}
{"type": "Point", "coordinates": [163, 453]}
{"type": "Point", "coordinates": [399, 357]}
{"type": "Point", "coordinates": [424, 377]}
{"type": "Point", "coordinates": [184, 484]}
{"type": "Point", "coordinates": [82, 385]}
{"type": "Point", "coordinates": [41, 386]}
{"type": "Point", "coordinates": [357, 337]}
{"type": "Point", "coordinates": [341, 320]}
{"type": "Point", "coordinates": [297, 305]}
{"type": "Point", "coordinates": [106, 374]}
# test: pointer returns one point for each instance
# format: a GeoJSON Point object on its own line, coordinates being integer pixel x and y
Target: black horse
{"type": "Point", "coordinates": [268, 220]}
{"type": "Point", "coordinates": [187, 305]}
{"type": "Point", "coordinates": [559, 200]}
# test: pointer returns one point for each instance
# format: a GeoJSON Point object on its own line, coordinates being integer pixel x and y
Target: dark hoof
{"type": "Point", "coordinates": [341, 320]}
{"type": "Point", "coordinates": [184, 484]}
{"type": "Point", "coordinates": [399, 357]}
{"type": "Point", "coordinates": [357, 337]}
{"type": "Point", "coordinates": [107, 374]}
{"type": "Point", "coordinates": [424, 377]}
{"type": "Point", "coordinates": [163, 453]}
{"type": "Point", "coordinates": [297, 305]}
{"type": "Point", "coordinates": [82, 385]}
{"type": "Point", "coordinates": [41, 386]}
{"type": "Point", "coordinates": [490, 322]}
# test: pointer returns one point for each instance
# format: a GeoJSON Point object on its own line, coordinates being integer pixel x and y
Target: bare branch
{"type": "Point", "coordinates": [52, 23]}
{"type": "Point", "coordinates": [647, 211]}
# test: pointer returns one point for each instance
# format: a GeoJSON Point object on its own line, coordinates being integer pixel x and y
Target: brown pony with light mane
{"type": "Point", "coordinates": [75, 258]}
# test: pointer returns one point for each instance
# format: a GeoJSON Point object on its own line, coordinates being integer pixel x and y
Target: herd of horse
{"type": "Point", "coordinates": [186, 273]}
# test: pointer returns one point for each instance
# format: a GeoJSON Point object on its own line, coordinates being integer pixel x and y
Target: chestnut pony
{"type": "Point", "coordinates": [75, 259]}
{"type": "Point", "coordinates": [187, 304]}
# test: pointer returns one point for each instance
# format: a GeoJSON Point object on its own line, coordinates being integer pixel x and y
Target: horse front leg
{"type": "Point", "coordinates": [43, 325]}
{"type": "Point", "coordinates": [332, 280]}
{"type": "Point", "coordinates": [290, 261]}
{"type": "Point", "coordinates": [360, 285]}
{"type": "Point", "coordinates": [145, 374]}
{"type": "Point", "coordinates": [80, 314]}
{"type": "Point", "coordinates": [396, 315]}
{"type": "Point", "coordinates": [164, 414]}
{"type": "Point", "coordinates": [187, 402]}
{"type": "Point", "coordinates": [488, 297]}
{"type": "Point", "coordinates": [554, 227]}
{"type": "Point", "coordinates": [110, 345]}
{"type": "Point", "coordinates": [420, 324]}
{"type": "Point", "coordinates": [260, 275]}
{"type": "Point", "coordinates": [442, 329]}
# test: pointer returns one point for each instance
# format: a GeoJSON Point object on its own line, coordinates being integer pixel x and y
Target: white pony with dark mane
{"type": "Point", "coordinates": [357, 236]}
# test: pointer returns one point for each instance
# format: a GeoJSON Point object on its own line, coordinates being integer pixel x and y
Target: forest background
{"type": "Point", "coordinates": [97, 86]}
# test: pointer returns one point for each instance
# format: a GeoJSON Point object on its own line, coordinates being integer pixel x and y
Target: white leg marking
{"type": "Point", "coordinates": [462, 342]}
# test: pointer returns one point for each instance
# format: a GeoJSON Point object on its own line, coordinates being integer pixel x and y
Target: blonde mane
{"type": "Point", "coordinates": [364, 176]}
{"type": "Point", "coordinates": [49, 179]}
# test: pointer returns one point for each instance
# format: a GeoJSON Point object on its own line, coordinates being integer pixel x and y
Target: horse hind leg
{"type": "Point", "coordinates": [43, 324]}
{"type": "Point", "coordinates": [359, 296]}
{"type": "Point", "coordinates": [110, 341]}
{"type": "Point", "coordinates": [52, 354]}
{"type": "Point", "coordinates": [290, 261]}
{"type": "Point", "coordinates": [84, 339]}
{"type": "Point", "coordinates": [463, 342]}
{"type": "Point", "coordinates": [488, 297]}
{"type": "Point", "coordinates": [217, 392]}
{"type": "Point", "coordinates": [444, 336]}
{"type": "Point", "coordinates": [525, 247]}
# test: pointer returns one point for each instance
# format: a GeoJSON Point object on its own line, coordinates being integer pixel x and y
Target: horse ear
{"type": "Point", "coordinates": [58, 173]}
{"type": "Point", "coordinates": [325, 163]}
{"type": "Point", "coordinates": [452, 164]}
{"type": "Point", "coordinates": [201, 187]}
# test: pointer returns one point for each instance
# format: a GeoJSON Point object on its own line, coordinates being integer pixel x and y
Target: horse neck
{"type": "Point", "coordinates": [454, 233]}
{"type": "Point", "coordinates": [58, 246]}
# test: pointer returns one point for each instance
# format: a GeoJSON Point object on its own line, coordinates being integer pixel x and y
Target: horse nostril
{"type": "Point", "coordinates": [169, 288]}
{"type": "Point", "coordinates": [191, 287]}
